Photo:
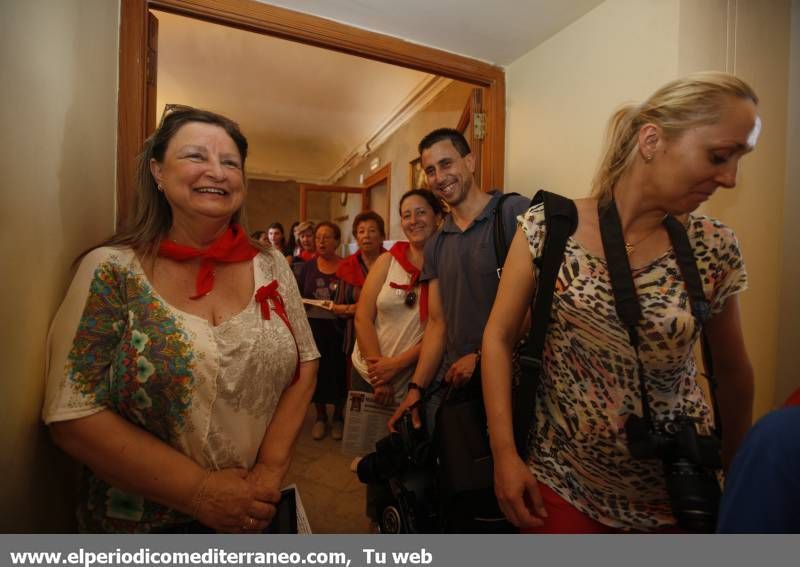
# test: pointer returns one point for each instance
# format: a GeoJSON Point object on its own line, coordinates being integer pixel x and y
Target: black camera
{"type": "Point", "coordinates": [690, 461]}
{"type": "Point", "coordinates": [401, 471]}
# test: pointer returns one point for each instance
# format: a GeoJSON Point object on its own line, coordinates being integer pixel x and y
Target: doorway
{"type": "Point", "coordinates": [137, 68]}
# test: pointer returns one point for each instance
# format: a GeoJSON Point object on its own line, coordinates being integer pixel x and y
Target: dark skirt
{"type": "Point", "coordinates": [331, 381]}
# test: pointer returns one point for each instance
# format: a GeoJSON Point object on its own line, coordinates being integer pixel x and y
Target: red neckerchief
{"type": "Point", "coordinates": [269, 293]}
{"type": "Point", "coordinates": [232, 246]}
{"type": "Point", "coordinates": [352, 271]}
{"type": "Point", "coordinates": [399, 251]}
{"type": "Point", "coordinates": [305, 255]}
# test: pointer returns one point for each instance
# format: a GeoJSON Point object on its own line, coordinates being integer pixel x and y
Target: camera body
{"type": "Point", "coordinates": [402, 467]}
{"type": "Point", "coordinates": [690, 462]}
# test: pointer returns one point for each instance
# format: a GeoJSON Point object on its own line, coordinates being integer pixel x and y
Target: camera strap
{"type": "Point", "coordinates": [627, 301]}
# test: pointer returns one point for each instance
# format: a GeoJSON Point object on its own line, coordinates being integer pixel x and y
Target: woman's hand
{"type": "Point", "coordinates": [518, 492]}
{"type": "Point", "coordinates": [228, 502]}
{"type": "Point", "coordinates": [343, 309]}
{"type": "Point", "coordinates": [384, 394]}
{"type": "Point", "coordinates": [411, 399]}
{"type": "Point", "coordinates": [381, 369]}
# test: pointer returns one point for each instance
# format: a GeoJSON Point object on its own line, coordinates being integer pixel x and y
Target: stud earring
{"type": "Point", "coordinates": [160, 188]}
{"type": "Point", "coordinates": [649, 158]}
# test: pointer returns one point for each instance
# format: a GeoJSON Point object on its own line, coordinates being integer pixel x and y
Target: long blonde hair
{"type": "Point", "coordinates": [685, 103]}
{"type": "Point", "coordinates": [152, 215]}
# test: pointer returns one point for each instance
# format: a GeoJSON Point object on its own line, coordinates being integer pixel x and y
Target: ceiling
{"type": "Point", "coordinates": [495, 31]}
{"type": "Point", "coordinates": [310, 114]}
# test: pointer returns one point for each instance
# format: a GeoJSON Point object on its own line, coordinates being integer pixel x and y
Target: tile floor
{"type": "Point", "coordinates": [333, 497]}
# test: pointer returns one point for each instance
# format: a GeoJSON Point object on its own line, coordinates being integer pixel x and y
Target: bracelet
{"type": "Point", "coordinates": [197, 499]}
{"type": "Point", "coordinates": [415, 386]}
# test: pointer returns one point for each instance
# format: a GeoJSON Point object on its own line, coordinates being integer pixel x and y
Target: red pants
{"type": "Point", "coordinates": [564, 518]}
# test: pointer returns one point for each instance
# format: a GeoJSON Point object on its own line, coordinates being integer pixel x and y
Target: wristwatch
{"type": "Point", "coordinates": [415, 386]}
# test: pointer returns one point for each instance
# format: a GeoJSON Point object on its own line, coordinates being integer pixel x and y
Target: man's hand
{"type": "Point", "coordinates": [461, 370]}
{"type": "Point", "coordinates": [411, 398]}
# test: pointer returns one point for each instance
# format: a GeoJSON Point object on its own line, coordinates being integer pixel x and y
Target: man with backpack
{"type": "Point", "coordinates": [461, 268]}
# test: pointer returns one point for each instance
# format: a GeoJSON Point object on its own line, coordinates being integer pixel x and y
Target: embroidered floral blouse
{"type": "Point", "coordinates": [209, 391]}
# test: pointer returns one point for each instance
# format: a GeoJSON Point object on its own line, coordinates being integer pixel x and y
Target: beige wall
{"type": "Point", "coordinates": [272, 201]}
{"type": "Point", "coordinates": [758, 52]}
{"type": "Point", "coordinates": [59, 77]}
{"type": "Point", "coordinates": [400, 148]}
{"type": "Point", "coordinates": [788, 371]}
{"type": "Point", "coordinates": [561, 94]}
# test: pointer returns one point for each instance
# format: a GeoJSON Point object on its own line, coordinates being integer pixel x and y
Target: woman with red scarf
{"type": "Point", "coordinates": [181, 362]}
{"type": "Point", "coordinates": [392, 309]}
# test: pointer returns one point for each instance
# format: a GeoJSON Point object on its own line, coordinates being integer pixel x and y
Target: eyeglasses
{"type": "Point", "coordinates": [171, 109]}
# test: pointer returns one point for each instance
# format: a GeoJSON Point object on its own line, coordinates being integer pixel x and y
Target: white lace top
{"type": "Point", "coordinates": [208, 391]}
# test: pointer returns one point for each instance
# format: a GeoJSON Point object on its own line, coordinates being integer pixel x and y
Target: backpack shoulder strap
{"type": "Point", "coordinates": [561, 220]}
{"type": "Point", "coordinates": [501, 245]}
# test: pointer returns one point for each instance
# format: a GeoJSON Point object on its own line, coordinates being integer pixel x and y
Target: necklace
{"type": "Point", "coordinates": [631, 246]}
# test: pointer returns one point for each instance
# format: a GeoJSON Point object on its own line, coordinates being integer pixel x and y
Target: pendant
{"type": "Point", "coordinates": [628, 248]}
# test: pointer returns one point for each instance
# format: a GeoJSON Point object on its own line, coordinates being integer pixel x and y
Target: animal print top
{"type": "Point", "coordinates": [590, 385]}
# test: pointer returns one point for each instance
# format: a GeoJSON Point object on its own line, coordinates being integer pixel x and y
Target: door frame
{"type": "Point", "coordinates": [286, 24]}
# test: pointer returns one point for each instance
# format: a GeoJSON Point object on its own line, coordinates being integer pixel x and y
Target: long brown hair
{"type": "Point", "coordinates": [685, 103]}
{"type": "Point", "coordinates": [152, 215]}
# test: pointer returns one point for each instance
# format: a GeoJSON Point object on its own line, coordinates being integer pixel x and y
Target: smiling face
{"type": "Point", "coordinates": [326, 241]}
{"type": "Point", "coordinates": [418, 220]}
{"type": "Point", "coordinates": [201, 173]}
{"type": "Point", "coordinates": [275, 237]}
{"type": "Point", "coordinates": [687, 170]}
{"type": "Point", "coordinates": [449, 175]}
{"type": "Point", "coordinates": [369, 237]}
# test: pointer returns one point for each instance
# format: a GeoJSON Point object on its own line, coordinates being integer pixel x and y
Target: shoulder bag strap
{"type": "Point", "coordinates": [561, 219]}
{"type": "Point", "coordinates": [501, 245]}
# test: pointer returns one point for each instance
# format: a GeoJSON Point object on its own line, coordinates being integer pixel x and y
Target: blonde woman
{"type": "Point", "coordinates": [665, 156]}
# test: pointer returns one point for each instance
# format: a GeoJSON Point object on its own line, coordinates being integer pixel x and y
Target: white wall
{"type": "Point", "coordinates": [561, 94]}
{"type": "Point", "coordinates": [58, 70]}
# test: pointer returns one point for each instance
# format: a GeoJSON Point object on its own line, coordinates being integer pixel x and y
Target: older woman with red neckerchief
{"type": "Point", "coordinates": [181, 361]}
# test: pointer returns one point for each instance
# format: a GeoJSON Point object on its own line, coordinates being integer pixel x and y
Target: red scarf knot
{"type": "Point", "coordinates": [269, 293]}
{"type": "Point", "coordinates": [352, 270]}
{"type": "Point", "coordinates": [399, 251]}
{"type": "Point", "coordinates": [232, 246]}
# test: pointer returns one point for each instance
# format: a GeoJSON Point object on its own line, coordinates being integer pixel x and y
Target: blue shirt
{"type": "Point", "coordinates": [465, 264]}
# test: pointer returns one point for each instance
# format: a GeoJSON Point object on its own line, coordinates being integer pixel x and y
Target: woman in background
{"type": "Point", "coordinates": [319, 282]}
{"type": "Point", "coordinates": [277, 238]}
{"type": "Point", "coordinates": [369, 232]}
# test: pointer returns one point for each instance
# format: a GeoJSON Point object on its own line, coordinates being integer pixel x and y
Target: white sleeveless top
{"type": "Point", "coordinates": [397, 325]}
